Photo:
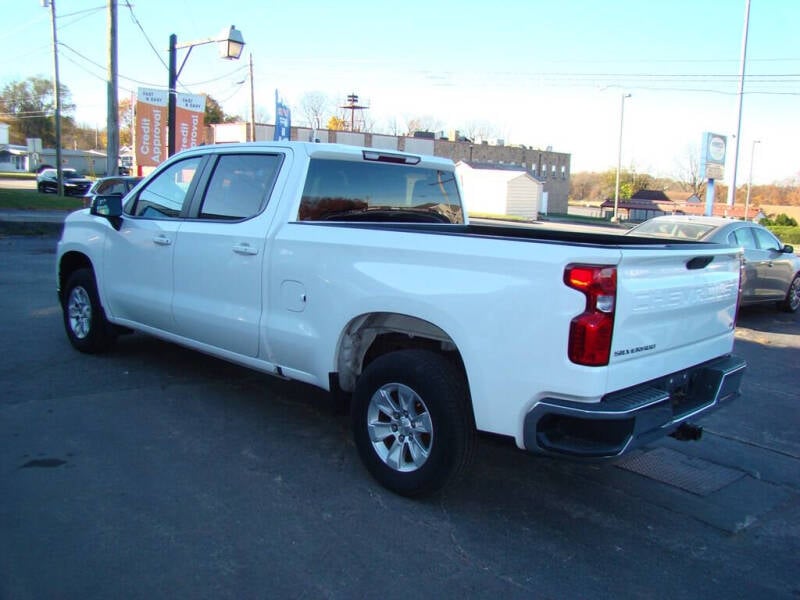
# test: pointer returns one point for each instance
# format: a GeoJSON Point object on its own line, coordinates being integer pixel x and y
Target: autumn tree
{"type": "Point", "coordinates": [81, 136]}
{"type": "Point", "coordinates": [336, 124]}
{"type": "Point", "coordinates": [125, 111]}
{"type": "Point", "coordinates": [29, 108]}
{"type": "Point", "coordinates": [215, 114]}
{"type": "Point", "coordinates": [586, 187]}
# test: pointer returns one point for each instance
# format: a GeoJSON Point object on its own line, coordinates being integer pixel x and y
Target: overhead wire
{"type": "Point", "coordinates": [136, 21]}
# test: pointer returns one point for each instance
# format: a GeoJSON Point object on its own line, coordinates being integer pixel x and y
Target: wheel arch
{"type": "Point", "coordinates": [69, 263]}
{"type": "Point", "coordinates": [372, 335]}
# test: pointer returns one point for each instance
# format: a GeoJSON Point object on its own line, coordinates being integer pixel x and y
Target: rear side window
{"type": "Point", "coordinates": [338, 190]}
{"type": "Point", "coordinates": [239, 186]}
{"type": "Point", "coordinates": [743, 237]}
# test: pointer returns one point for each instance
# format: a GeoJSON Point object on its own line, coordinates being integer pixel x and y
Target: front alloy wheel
{"type": "Point", "coordinates": [792, 301]}
{"type": "Point", "coordinates": [85, 321]}
{"type": "Point", "coordinates": [79, 312]}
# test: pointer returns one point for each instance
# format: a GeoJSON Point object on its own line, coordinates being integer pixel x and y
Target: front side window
{"type": "Point", "coordinates": [239, 186]}
{"type": "Point", "coordinates": [164, 196]}
{"type": "Point", "coordinates": [766, 241]}
{"type": "Point", "coordinates": [338, 190]}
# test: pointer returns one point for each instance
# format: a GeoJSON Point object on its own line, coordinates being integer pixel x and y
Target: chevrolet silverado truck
{"type": "Point", "coordinates": [357, 270]}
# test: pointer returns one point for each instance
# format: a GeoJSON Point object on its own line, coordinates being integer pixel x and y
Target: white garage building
{"type": "Point", "coordinates": [488, 189]}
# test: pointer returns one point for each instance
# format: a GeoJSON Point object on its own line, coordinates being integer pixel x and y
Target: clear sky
{"type": "Point", "coordinates": [542, 73]}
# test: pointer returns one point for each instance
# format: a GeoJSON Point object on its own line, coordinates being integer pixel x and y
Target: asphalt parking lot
{"type": "Point", "coordinates": [154, 472]}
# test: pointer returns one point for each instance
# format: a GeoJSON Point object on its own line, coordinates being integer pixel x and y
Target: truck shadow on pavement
{"type": "Point", "coordinates": [719, 481]}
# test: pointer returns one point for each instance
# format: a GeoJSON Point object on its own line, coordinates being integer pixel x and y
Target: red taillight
{"type": "Point", "coordinates": [590, 332]}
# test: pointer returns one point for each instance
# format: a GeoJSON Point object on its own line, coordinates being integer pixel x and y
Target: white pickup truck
{"type": "Point", "coordinates": [356, 270]}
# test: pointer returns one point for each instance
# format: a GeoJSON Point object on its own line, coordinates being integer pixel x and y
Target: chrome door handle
{"type": "Point", "coordinates": [245, 249]}
{"type": "Point", "coordinates": [162, 240]}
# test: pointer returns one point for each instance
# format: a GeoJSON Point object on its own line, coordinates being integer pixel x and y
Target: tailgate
{"type": "Point", "coordinates": [676, 304]}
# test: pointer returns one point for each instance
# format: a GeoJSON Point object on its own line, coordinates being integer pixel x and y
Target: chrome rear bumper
{"type": "Point", "coordinates": [630, 418]}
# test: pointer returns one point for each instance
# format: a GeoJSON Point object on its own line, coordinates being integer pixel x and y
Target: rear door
{"type": "Point", "coordinates": [220, 254]}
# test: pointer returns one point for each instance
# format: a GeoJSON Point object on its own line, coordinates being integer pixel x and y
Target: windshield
{"type": "Point", "coordinates": [672, 229]}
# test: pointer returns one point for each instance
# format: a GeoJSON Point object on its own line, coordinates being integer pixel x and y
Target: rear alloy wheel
{"type": "Point", "coordinates": [84, 318]}
{"type": "Point", "coordinates": [412, 422]}
{"type": "Point", "coordinates": [792, 301]}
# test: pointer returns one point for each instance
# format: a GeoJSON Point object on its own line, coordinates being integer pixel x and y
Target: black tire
{"type": "Point", "coordinates": [791, 303]}
{"type": "Point", "coordinates": [430, 445]}
{"type": "Point", "coordinates": [85, 320]}
{"type": "Point", "coordinates": [41, 189]}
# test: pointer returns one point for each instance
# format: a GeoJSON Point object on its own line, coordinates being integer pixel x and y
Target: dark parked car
{"type": "Point", "coordinates": [106, 186]}
{"type": "Point", "coordinates": [771, 269]}
{"type": "Point", "coordinates": [74, 184]}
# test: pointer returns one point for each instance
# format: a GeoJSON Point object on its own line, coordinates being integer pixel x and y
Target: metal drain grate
{"type": "Point", "coordinates": [694, 475]}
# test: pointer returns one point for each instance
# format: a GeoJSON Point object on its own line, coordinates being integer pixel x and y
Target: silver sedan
{"type": "Point", "coordinates": [771, 269]}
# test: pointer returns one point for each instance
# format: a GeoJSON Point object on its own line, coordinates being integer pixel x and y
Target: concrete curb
{"type": "Point", "coordinates": [32, 222]}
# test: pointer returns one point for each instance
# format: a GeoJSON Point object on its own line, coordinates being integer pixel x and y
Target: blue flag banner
{"type": "Point", "coordinates": [283, 120]}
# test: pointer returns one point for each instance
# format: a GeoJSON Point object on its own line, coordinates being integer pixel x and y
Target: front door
{"type": "Point", "coordinates": [138, 265]}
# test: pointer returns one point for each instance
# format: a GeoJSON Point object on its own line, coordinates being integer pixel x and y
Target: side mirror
{"type": "Point", "coordinates": [109, 207]}
{"type": "Point", "coordinates": [787, 249]}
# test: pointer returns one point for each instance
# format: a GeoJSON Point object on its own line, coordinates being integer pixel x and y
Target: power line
{"type": "Point", "coordinates": [99, 66]}
{"type": "Point", "coordinates": [144, 33]}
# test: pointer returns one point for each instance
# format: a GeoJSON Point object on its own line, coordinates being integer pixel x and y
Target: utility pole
{"type": "Point", "coordinates": [353, 105]}
{"type": "Point", "coordinates": [252, 103]}
{"type": "Point", "coordinates": [57, 94]}
{"type": "Point", "coordinates": [112, 117]}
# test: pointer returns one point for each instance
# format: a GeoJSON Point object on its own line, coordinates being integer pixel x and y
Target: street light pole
{"type": "Point", "coordinates": [171, 100]}
{"type": "Point", "coordinates": [743, 62]}
{"type": "Point", "coordinates": [750, 181]}
{"type": "Point", "coordinates": [231, 45]}
{"type": "Point", "coordinates": [615, 219]}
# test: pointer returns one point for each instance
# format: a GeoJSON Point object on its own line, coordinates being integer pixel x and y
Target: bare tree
{"type": "Point", "coordinates": [479, 130]}
{"type": "Point", "coordinates": [368, 123]}
{"type": "Point", "coordinates": [688, 173]}
{"type": "Point", "coordinates": [315, 106]}
{"type": "Point", "coordinates": [392, 127]}
{"type": "Point", "coordinates": [422, 123]}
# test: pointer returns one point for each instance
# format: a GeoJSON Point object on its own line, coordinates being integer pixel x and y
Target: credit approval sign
{"type": "Point", "coordinates": [151, 124]}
